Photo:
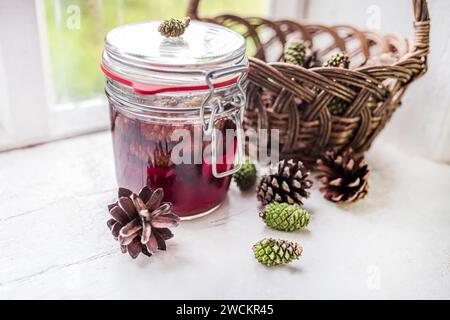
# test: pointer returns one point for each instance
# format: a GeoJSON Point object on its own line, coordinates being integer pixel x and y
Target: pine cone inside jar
{"type": "Point", "coordinates": [344, 177]}
{"type": "Point", "coordinates": [288, 184]}
{"type": "Point", "coordinates": [141, 222]}
{"type": "Point", "coordinates": [337, 106]}
{"type": "Point", "coordinates": [372, 103]}
{"type": "Point", "coordinates": [387, 58]}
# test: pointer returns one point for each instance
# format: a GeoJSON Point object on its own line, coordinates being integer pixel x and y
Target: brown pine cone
{"type": "Point", "coordinates": [344, 177]}
{"type": "Point", "coordinates": [141, 222]}
{"type": "Point", "coordinates": [289, 184]}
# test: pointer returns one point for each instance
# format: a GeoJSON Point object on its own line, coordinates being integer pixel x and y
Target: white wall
{"type": "Point", "coordinates": [422, 125]}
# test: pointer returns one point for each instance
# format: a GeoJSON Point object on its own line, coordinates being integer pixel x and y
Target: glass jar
{"type": "Point", "coordinates": [174, 103]}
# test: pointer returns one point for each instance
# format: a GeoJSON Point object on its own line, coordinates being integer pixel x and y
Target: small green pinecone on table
{"type": "Point", "coordinates": [288, 184]}
{"type": "Point", "coordinates": [338, 106]}
{"type": "Point", "coordinates": [274, 252]}
{"type": "Point", "coordinates": [245, 178]}
{"type": "Point", "coordinates": [172, 28]}
{"type": "Point", "coordinates": [285, 217]}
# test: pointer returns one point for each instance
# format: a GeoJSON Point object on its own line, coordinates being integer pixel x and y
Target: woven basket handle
{"type": "Point", "coordinates": [421, 45]}
{"type": "Point", "coordinates": [421, 24]}
{"type": "Point", "coordinates": [192, 9]}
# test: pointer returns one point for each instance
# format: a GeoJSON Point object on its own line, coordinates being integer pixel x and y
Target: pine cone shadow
{"type": "Point", "coordinates": [172, 258]}
{"type": "Point", "coordinates": [291, 268]}
{"type": "Point", "coordinates": [283, 234]}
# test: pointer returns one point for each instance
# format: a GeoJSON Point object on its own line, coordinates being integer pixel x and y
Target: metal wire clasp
{"type": "Point", "coordinates": [217, 106]}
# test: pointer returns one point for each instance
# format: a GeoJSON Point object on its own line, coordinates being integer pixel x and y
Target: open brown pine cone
{"type": "Point", "coordinates": [345, 178]}
{"type": "Point", "coordinates": [141, 222]}
{"type": "Point", "coordinates": [289, 183]}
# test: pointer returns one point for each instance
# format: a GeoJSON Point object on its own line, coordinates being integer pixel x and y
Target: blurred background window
{"type": "Point", "coordinates": [76, 30]}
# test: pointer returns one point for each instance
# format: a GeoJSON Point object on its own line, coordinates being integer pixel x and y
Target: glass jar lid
{"type": "Point", "coordinates": [138, 53]}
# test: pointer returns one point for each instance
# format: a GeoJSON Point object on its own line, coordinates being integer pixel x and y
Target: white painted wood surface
{"type": "Point", "coordinates": [54, 242]}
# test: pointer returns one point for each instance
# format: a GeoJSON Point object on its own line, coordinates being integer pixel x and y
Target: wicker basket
{"type": "Point", "coordinates": [299, 111]}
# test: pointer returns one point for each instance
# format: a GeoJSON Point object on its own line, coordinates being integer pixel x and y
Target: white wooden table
{"type": "Point", "coordinates": [54, 242]}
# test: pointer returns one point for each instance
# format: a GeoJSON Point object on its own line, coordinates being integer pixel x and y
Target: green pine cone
{"type": "Point", "coordinates": [295, 53]}
{"type": "Point", "coordinates": [246, 177]}
{"type": "Point", "coordinates": [285, 217]}
{"type": "Point", "coordinates": [337, 106]}
{"type": "Point", "coordinates": [274, 252]}
{"type": "Point", "coordinates": [173, 27]}
{"type": "Point", "coordinates": [338, 60]}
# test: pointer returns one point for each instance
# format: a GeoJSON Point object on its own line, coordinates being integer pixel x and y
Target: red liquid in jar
{"type": "Point", "coordinates": [142, 152]}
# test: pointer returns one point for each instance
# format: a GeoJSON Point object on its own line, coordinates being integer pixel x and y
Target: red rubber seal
{"type": "Point", "coordinates": [148, 89]}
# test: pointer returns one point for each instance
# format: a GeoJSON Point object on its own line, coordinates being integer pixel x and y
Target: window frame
{"type": "Point", "coordinates": [23, 76]}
